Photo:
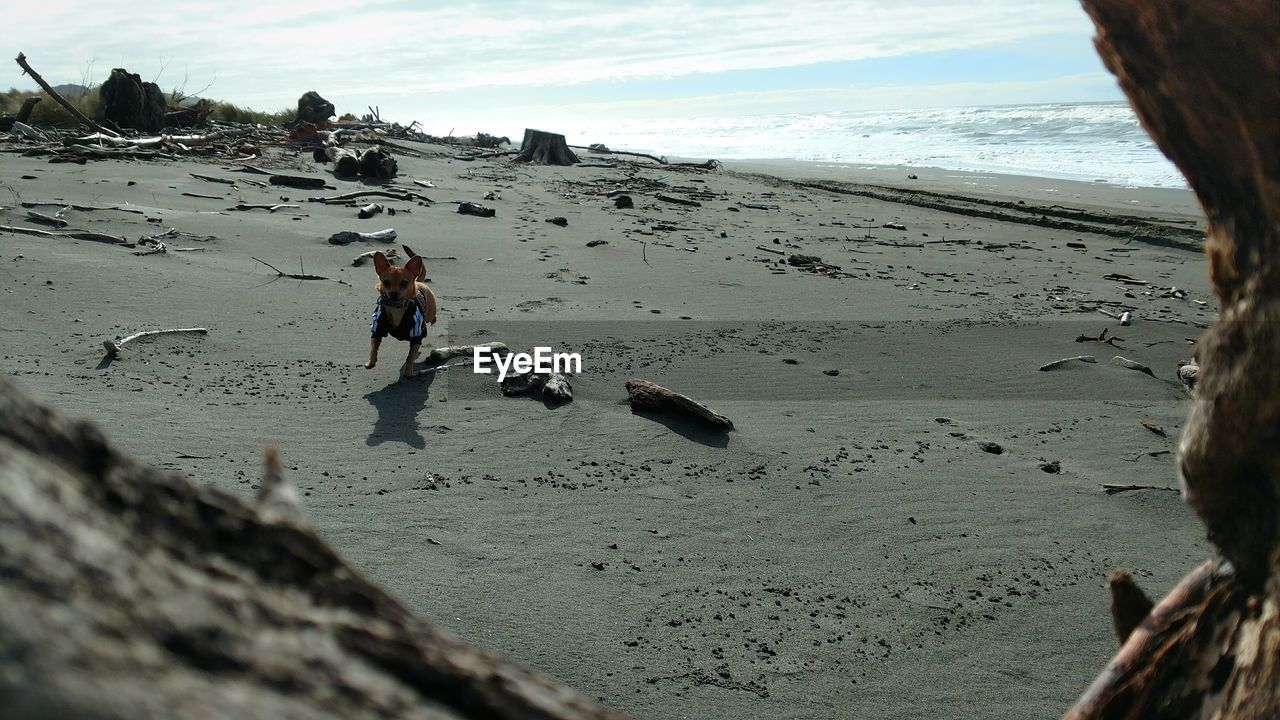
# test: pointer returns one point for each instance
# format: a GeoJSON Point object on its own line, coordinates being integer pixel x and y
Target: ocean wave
{"type": "Point", "coordinates": [1083, 141]}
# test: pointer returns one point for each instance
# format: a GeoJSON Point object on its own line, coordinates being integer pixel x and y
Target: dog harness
{"type": "Point", "coordinates": [413, 324]}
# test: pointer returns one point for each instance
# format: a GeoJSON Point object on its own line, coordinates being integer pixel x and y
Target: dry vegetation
{"type": "Point", "coordinates": [50, 114]}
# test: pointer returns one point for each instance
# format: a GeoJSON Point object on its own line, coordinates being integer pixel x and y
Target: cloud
{"type": "Point", "coordinates": [267, 53]}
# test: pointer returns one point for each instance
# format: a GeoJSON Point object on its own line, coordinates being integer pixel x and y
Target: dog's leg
{"type": "Point", "coordinates": [413, 355]}
{"type": "Point", "coordinates": [373, 352]}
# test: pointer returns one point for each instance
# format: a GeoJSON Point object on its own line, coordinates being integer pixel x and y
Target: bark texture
{"type": "Point", "coordinates": [544, 148]}
{"type": "Point", "coordinates": [648, 396]}
{"type": "Point", "coordinates": [1204, 78]}
{"type": "Point", "coordinates": [125, 101]}
{"type": "Point", "coordinates": [127, 592]}
{"type": "Point", "coordinates": [313, 109]}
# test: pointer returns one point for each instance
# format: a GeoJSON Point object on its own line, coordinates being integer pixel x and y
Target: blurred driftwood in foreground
{"type": "Point", "coordinates": [127, 592]}
{"type": "Point", "coordinates": [1205, 80]}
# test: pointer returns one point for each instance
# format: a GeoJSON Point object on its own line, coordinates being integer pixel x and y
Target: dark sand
{"type": "Point", "coordinates": [849, 551]}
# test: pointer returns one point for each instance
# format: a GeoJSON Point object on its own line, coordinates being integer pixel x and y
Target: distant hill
{"type": "Point", "coordinates": [71, 90]}
{"type": "Point", "coordinates": [75, 91]}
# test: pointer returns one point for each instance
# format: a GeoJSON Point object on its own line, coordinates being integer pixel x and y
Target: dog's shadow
{"type": "Point", "coordinates": [398, 405]}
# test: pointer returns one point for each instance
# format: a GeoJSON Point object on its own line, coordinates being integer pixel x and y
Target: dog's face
{"type": "Point", "coordinates": [398, 284]}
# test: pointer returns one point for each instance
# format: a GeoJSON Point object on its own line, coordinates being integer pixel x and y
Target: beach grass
{"type": "Point", "coordinates": [51, 114]}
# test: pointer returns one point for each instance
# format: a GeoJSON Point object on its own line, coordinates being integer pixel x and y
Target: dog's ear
{"type": "Point", "coordinates": [380, 263]}
{"type": "Point", "coordinates": [414, 266]}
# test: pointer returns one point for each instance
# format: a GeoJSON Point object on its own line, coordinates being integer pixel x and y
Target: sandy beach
{"type": "Point", "coordinates": [907, 522]}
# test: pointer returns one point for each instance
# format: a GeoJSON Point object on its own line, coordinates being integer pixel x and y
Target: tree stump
{"type": "Point", "coordinates": [24, 113]}
{"type": "Point", "coordinates": [126, 101]}
{"type": "Point", "coordinates": [544, 148]}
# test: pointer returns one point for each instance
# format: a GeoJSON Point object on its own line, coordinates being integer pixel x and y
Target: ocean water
{"type": "Point", "coordinates": [1079, 141]}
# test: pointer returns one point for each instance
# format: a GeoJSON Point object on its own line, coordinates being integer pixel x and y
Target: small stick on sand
{"type": "Point", "coordinates": [1126, 279]}
{"type": "Point", "coordinates": [644, 395]}
{"type": "Point", "coordinates": [267, 207]}
{"type": "Point", "coordinates": [393, 194]}
{"type": "Point", "coordinates": [678, 201]}
{"type": "Point", "coordinates": [1153, 428]}
{"type": "Point", "coordinates": [1101, 337]}
{"type": "Point", "coordinates": [298, 276]}
{"type": "Point", "coordinates": [210, 178]}
{"type": "Point", "coordinates": [1064, 361]}
{"type": "Point", "coordinates": [604, 150]}
{"type": "Point", "coordinates": [1113, 489]}
{"type": "Point", "coordinates": [113, 346]}
{"type": "Point", "coordinates": [1147, 453]}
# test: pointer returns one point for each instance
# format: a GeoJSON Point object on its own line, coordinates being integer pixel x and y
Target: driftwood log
{"type": "Point", "coordinates": [645, 395]}
{"type": "Point", "coordinates": [377, 163]}
{"type": "Point", "coordinates": [129, 592]}
{"type": "Point", "coordinates": [297, 181]}
{"type": "Point", "coordinates": [159, 140]}
{"type": "Point", "coordinates": [553, 387]}
{"type": "Point", "coordinates": [1203, 80]}
{"type": "Point", "coordinates": [543, 148]}
{"type": "Point", "coordinates": [449, 352]}
{"type": "Point", "coordinates": [26, 70]}
{"type": "Point", "coordinates": [345, 163]}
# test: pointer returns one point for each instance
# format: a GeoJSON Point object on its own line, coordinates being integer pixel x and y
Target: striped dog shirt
{"type": "Point", "coordinates": [413, 323]}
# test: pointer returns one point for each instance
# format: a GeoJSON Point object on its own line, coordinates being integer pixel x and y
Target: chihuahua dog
{"type": "Point", "coordinates": [405, 307]}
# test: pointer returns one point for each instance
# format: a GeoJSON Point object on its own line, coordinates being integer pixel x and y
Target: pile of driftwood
{"type": "Point", "coordinates": [133, 122]}
{"type": "Point", "coordinates": [356, 147]}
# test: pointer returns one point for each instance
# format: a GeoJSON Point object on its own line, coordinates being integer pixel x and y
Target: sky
{"type": "Point", "coordinates": [501, 65]}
